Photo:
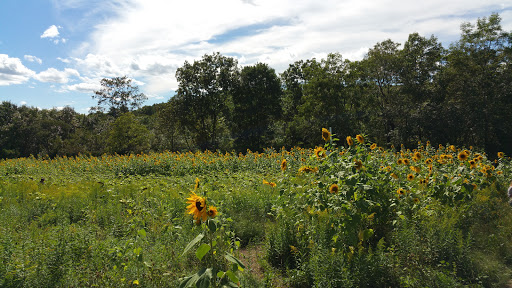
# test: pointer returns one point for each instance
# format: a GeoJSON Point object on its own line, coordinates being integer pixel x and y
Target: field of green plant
{"type": "Point", "coordinates": [346, 214]}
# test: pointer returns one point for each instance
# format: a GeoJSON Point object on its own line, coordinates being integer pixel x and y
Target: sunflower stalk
{"type": "Point", "coordinates": [213, 242]}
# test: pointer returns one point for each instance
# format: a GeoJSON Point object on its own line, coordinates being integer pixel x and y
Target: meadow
{"type": "Point", "coordinates": [345, 214]}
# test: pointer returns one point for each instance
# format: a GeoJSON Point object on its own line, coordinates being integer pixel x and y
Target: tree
{"type": "Point", "coordinates": [419, 68]}
{"type": "Point", "coordinates": [203, 97]}
{"type": "Point", "coordinates": [128, 136]}
{"type": "Point", "coordinates": [381, 78]}
{"type": "Point", "coordinates": [477, 81]}
{"type": "Point", "coordinates": [256, 104]}
{"type": "Point", "coordinates": [119, 95]}
{"type": "Point", "coordinates": [314, 98]}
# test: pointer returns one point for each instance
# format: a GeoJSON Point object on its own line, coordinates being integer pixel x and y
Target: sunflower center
{"type": "Point", "coordinates": [199, 206]}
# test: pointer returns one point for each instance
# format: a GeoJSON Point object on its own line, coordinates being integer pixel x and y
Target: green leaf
{"type": "Point", "coordinates": [192, 243]}
{"type": "Point", "coordinates": [201, 279]}
{"type": "Point", "coordinates": [232, 276]}
{"type": "Point", "coordinates": [142, 233]}
{"type": "Point", "coordinates": [212, 225]}
{"type": "Point", "coordinates": [202, 250]}
{"type": "Point", "coordinates": [233, 259]}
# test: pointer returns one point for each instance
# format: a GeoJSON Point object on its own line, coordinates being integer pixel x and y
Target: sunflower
{"type": "Point", "coordinates": [350, 142]}
{"type": "Point", "coordinates": [212, 211]}
{"type": "Point", "coordinates": [394, 175]}
{"type": "Point", "coordinates": [308, 169]}
{"type": "Point", "coordinates": [463, 155]}
{"type": "Point", "coordinates": [326, 135]}
{"type": "Point", "coordinates": [415, 169]}
{"type": "Point", "coordinates": [334, 188]}
{"type": "Point", "coordinates": [373, 146]}
{"type": "Point", "coordinates": [400, 191]}
{"type": "Point", "coordinates": [197, 184]}
{"type": "Point", "coordinates": [197, 206]}
{"type": "Point", "coordinates": [360, 138]}
{"type": "Point", "coordinates": [472, 164]}
{"type": "Point", "coordinates": [417, 156]}
{"type": "Point", "coordinates": [428, 161]}
{"type": "Point", "coordinates": [400, 161]}
{"type": "Point", "coordinates": [359, 164]}
{"type": "Point", "coordinates": [501, 154]}
{"type": "Point", "coordinates": [283, 164]}
{"type": "Point", "coordinates": [320, 152]}
{"type": "Point", "coordinates": [406, 161]}
{"type": "Point", "coordinates": [410, 177]}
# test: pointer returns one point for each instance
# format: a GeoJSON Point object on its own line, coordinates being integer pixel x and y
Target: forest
{"type": "Point", "coordinates": [397, 94]}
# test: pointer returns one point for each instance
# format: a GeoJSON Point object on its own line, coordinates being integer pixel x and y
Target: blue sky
{"type": "Point", "coordinates": [53, 53]}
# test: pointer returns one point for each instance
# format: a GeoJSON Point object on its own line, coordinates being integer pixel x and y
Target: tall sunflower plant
{"type": "Point", "coordinates": [215, 247]}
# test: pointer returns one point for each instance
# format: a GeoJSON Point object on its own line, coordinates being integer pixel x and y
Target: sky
{"type": "Point", "coordinates": [53, 53]}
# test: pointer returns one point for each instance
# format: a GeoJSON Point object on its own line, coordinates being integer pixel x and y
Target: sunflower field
{"type": "Point", "coordinates": [345, 214]}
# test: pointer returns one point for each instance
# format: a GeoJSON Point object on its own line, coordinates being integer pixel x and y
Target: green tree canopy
{"type": "Point", "coordinates": [119, 95]}
{"type": "Point", "coordinates": [204, 96]}
{"type": "Point", "coordinates": [128, 136]}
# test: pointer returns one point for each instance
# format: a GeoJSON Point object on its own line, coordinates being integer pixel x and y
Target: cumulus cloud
{"type": "Point", "coordinates": [53, 75]}
{"type": "Point", "coordinates": [51, 32]}
{"type": "Point", "coordinates": [88, 86]}
{"type": "Point", "coordinates": [12, 71]}
{"type": "Point", "coordinates": [31, 58]}
{"type": "Point", "coordinates": [149, 40]}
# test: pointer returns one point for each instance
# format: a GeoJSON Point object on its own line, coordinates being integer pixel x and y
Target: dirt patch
{"type": "Point", "coordinates": [251, 257]}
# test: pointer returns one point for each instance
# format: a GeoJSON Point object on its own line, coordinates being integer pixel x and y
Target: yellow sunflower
{"type": "Point", "coordinates": [400, 191]}
{"type": "Point", "coordinates": [417, 156]}
{"type": "Point", "coordinates": [308, 169]}
{"type": "Point", "coordinates": [212, 211]}
{"type": "Point", "coordinates": [350, 142]}
{"type": "Point", "coordinates": [410, 177]}
{"type": "Point", "coordinates": [400, 161]}
{"type": "Point", "coordinates": [197, 207]}
{"type": "Point", "coordinates": [415, 169]}
{"type": "Point", "coordinates": [472, 164]}
{"type": "Point", "coordinates": [501, 154]}
{"type": "Point", "coordinates": [373, 146]}
{"type": "Point", "coordinates": [360, 138]}
{"type": "Point", "coordinates": [394, 175]}
{"type": "Point", "coordinates": [334, 188]}
{"type": "Point", "coordinates": [197, 184]}
{"type": "Point", "coordinates": [463, 155]}
{"type": "Point", "coordinates": [406, 161]}
{"type": "Point", "coordinates": [428, 161]}
{"type": "Point", "coordinates": [358, 165]}
{"type": "Point", "coordinates": [326, 135]}
{"type": "Point", "coordinates": [320, 152]}
{"type": "Point", "coordinates": [284, 164]}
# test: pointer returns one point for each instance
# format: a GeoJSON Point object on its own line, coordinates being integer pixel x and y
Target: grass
{"type": "Point", "coordinates": [120, 221]}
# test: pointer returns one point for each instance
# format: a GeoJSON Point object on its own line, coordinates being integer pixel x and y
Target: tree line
{"type": "Point", "coordinates": [397, 94]}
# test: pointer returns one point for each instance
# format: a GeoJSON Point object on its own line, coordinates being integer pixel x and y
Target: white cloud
{"type": "Point", "coordinates": [51, 32]}
{"type": "Point", "coordinates": [53, 75]}
{"type": "Point", "coordinates": [149, 40]}
{"type": "Point", "coordinates": [12, 71]}
{"type": "Point", "coordinates": [23, 103]}
{"type": "Point", "coordinates": [31, 58]}
{"type": "Point", "coordinates": [87, 86]}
